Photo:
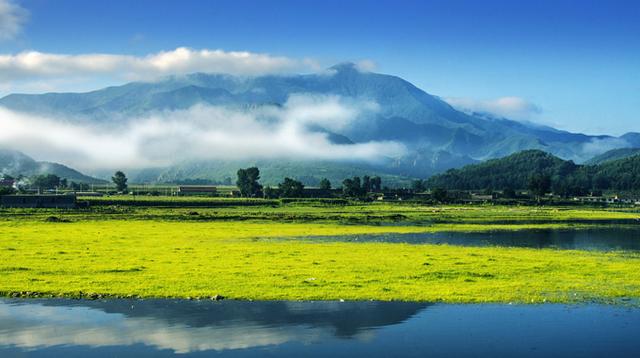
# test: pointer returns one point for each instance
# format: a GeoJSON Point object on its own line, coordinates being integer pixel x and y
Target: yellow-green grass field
{"type": "Point", "coordinates": [159, 252]}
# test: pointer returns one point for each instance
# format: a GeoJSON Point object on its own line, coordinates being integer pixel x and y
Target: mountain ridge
{"type": "Point", "coordinates": [437, 135]}
{"type": "Point", "coordinates": [16, 163]}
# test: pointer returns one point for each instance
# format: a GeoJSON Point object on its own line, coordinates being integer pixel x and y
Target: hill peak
{"type": "Point", "coordinates": [345, 67]}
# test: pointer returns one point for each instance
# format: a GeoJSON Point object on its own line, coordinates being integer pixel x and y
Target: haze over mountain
{"type": "Point", "coordinates": [201, 125]}
{"type": "Point", "coordinates": [614, 154]}
{"type": "Point", "coordinates": [16, 163]}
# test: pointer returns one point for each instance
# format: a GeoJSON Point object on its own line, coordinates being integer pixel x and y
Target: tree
{"type": "Point", "coordinates": [6, 190]}
{"type": "Point", "coordinates": [79, 186]}
{"type": "Point", "coordinates": [46, 181]}
{"type": "Point", "coordinates": [271, 193]}
{"type": "Point", "coordinates": [291, 188]}
{"type": "Point", "coordinates": [325, 184]}
{"type": "Point", "coordinates": [120, 180]}
{"type": "Point", "coordinates": [509, 193]}
{"type": "Point", "coordinates": [417, 186]}
{"type": "Point", "coordinates": [376, 183]}
{"type": "Point", "coordinates": [351, 187]}
{"type": "Point", "coordinates": [366, 184]}
{"type": "Point", "coordinates": [440, 195]}
{"type": "Point", "coordinates": [248, 182]}
{"type": "Point", "coordinates": [539, 184]}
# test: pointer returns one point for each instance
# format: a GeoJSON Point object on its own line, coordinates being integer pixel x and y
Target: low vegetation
{"type": "Point", "coordinates": [238, 252]}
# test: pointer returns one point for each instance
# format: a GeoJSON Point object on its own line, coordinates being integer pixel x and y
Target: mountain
{"type": "Point", "coordinates": [515, 171]}
{"type": "Point", "coordinates": [15, 163]}
{"type": "Point", "coordinates": [613, 154]}
{"type": "Point", "coordinates": [512, 171]}
{"type": "Point", "coordinates": [436, 135]}
{"type": "Point", "coordinates": [621, 174]}
{"type": "Point", "coordinates": [271, 172]}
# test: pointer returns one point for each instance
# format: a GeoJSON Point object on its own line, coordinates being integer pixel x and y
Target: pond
{"type": "Point", "coordinates": [301, 329]}
{"type": "Point", "coordinates": [600, 239]}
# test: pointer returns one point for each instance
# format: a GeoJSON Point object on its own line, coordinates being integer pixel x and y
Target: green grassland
{"type": "Point", "coordinates": [119, 250]}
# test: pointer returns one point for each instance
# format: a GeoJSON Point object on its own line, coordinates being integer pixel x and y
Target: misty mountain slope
{"type": "Point", "coordinates": [436, 135]}
{"type": "Point", "coordinates": [271, 172]}
{"type": "Point", "coordinates": [15, 163]}
{"type": "Point", "coordinates": [614, 154]}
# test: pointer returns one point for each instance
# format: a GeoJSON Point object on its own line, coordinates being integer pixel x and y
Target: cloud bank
{"type": "Point", "coordinates": [36, 326]}
{"type": "Point", "coordinates": [200, 133]}
{"type": "Point", "coordinates": [12, 18]}
{"type": "Point", "coordinates": [34, 65]}
{"type": "Point", "coordinates": [509, 107]}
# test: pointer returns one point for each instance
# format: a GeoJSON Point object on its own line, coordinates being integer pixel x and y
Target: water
{"type": "Point", "coordinates": [45, 328]}
{"type": "Point", "coordinates": [600, 239]}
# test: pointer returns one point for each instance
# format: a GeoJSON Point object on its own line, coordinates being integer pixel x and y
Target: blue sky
{"type": "Point", "coordinates": [576, 64]}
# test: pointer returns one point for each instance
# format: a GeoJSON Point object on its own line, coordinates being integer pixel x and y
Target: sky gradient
{"type": "Point", "coordinates": [575, 64]}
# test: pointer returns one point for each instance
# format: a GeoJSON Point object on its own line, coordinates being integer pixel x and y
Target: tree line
{"type": "Point", "coordinates": [249, 186]}
{"type": "Point", "coordinates": [541, 173]}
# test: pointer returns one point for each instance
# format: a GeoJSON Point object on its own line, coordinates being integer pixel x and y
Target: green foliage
{"type": "Point", "coordinates": [622, 174]}
{"type": "Point", "coordinates": [79, 186]}
{"type": "Point", "coordinates": [354, 187]}
{"type": "Point", "coordinates": [512, 171]}
{"type": "Point", "coordinates": [291, 188]}
{"type": "Point", "coordinates": [614, 154]}
{"type": "Point", "coordinates": [351, 187]}
{"type": "Point", "coordinates": [376, 183]}
{"type": "Point", "coordinates": [440, 195]}
{"type": "Point", "coordinates": [418, 186]}
{"type": "Point", "coordinates": [271, 193]}
{"type": "Point", "coordinates": [45, 181]}
{"type": "Point", "coordinates": [509, 193]}
{"type": "Point", "coordinates": [7, 191]}
{"type": "Point", "coordinates": [248, 182]}
{"type": "Point", "coordinates": [325, 184]}
{"type": "Point", "coordinates": [527, 169]}
{"type": "Point", "coordinates": [539, 184]}
{"type": "Point", "coordinates": [120, 180]}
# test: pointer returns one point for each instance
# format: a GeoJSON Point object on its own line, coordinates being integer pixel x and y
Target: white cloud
{"type": "Point", "coordinates": [36, 326]}
{"type": "Point", "coordinates": [600, 145]}
{"type": "Point", "coordinates": [509, 107]}
{"type": "Point", "coordinates": [366, 65]}
{"type": "Point", "coordinates": [12, 18]}
{"type": "Point", "coordinates": [198, 133]}
{"type": "Point", "coordinates": [34, 65]}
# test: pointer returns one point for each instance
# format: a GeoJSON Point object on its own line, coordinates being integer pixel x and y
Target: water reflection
{"type": "Point", "coordinates": [602, 239]}
{"type": "Point", "coordinates": [301, 329]}
{"type": "Point", "coordinates": [190, 326]}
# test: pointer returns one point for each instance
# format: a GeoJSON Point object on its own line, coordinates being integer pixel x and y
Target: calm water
{"type": "Point", "coordinates": [300, 329]}
{"type": "Point", "coordinates": [601, 239]}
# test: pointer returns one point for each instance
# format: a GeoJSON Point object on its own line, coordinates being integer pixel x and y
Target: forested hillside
{"type": "Point", "coordinates": [519, 170]}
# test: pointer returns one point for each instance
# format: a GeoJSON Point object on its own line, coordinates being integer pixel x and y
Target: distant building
{"type": "Point", "coordinates": [38, 201]}
{"type": "Point", "coordinates": [481, 197]}
{"type": "Point", "coordinates": [197, 190]}
{"type": "Point", "coordinates": [598, 199]}
{"type": "Point", "coordinates": [88, 193]}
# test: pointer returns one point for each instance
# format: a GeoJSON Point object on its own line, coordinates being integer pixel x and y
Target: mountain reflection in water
{"type": "Point", "coordinates": [187, 326]}
{"type": "Point", "coordinates": [123, 328]}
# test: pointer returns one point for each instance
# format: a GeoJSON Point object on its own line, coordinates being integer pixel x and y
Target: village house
{"type": "Point", "coordinates": [209, 190]}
